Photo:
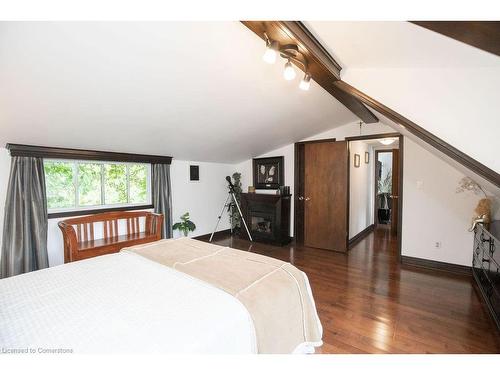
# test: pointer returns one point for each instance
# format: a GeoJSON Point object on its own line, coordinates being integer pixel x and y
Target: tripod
{"type": "Point", "coordinates": [226, 204]}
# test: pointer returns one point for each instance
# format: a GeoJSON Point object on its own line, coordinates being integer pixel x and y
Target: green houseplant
{"type": "Point", "coordinates": [185, 225]}
{"type": "Point", "coordinates": [234, 215]}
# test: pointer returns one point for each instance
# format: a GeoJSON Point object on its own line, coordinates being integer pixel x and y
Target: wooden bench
{"type": "Point", "coordinates": [78, 233]}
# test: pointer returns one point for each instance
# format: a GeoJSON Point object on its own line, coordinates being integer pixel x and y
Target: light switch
{"type": "Point", "coordinates": [420, 184]}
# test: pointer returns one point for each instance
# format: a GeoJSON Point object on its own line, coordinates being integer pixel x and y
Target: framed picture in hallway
{"type": "Point", "coordinates": [357, 160]}
{"type": "Point", "coordinates": [367, 157]}
{"type": "Point", "coordinates": [268, 173]}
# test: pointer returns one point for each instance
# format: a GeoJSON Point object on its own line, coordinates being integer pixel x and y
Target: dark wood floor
{"type": "Point", "coordinates": [369, 303]}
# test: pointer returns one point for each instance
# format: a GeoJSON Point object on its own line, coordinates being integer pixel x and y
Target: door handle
{"type": "Point", "coordinates": [301, 198]}
{"type": "Point", "coordinates": [308, 199]}
{"type": "Point", "coordinates": [394, 196]}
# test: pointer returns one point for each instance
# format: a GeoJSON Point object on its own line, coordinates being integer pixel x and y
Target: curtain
{"type": "Point", "coordinates": [24, 244]}
{"type": "Point", "coordinates": [162, 197]}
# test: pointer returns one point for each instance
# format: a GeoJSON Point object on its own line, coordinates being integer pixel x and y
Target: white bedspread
{"type": "Point", "coordinates": [120, 303]}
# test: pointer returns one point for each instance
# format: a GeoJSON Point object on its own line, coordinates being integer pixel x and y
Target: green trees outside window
{"type": "Point", "coordinates": [77, 184]}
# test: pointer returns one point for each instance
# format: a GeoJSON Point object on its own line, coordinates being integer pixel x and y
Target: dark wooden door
{"type": "Point", "coordinates": [395, 192]}
{"type": "Point", "coordinates": [325, 195]}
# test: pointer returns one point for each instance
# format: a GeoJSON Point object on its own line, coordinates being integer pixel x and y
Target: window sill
{"type": "Point", "coordinates": [55, 215]}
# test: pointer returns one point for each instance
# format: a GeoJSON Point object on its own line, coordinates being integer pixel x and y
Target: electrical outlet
{"type": "Point", "coordinates": [437, 244]}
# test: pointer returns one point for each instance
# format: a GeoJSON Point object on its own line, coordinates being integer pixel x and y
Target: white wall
{"type": "Point", "coordinates": [361, 189]}
{"type": "Point", "coordinates": [456, 99]}
{"type": "Point", "coordinates": [203, 200]}
{"type": "Point", "coordinates": [433, 211]}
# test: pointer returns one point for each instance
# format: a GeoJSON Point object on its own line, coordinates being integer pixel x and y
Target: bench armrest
{"type": "Point", "coordinates": [153, 224]}
{"type": "Point", "coordinates": [69, 239]}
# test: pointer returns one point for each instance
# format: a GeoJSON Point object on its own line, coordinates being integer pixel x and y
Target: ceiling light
{"type": "Point", "coordinates": [289, 72]}
{"type": "Point", "coordinates": [387, 141]}
{"type": "Point", "coordinates": [306, 82]}
{"type": "Point", "coordinates": [270, 54]}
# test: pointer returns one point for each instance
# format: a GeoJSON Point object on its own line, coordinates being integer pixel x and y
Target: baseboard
{"type": "Point", "coordinates": [435, 265]}
{"type": "Point", "coordinates": [218, 234]}
{"type": "Point", "coordinates": [358, 237]}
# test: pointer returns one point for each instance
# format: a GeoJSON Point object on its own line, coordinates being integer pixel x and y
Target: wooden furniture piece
{"type": "Point", "coordinates": [486, 266]}
{"type": "Point", "coordinates": [80, 242]}
{"type": "Point", "coordinates": [267, 217]}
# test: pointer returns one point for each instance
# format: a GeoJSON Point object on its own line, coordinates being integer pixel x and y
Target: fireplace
{"type": "Point", "coordinates": [261, 223]}
{"type": "Point", "coordinates": [267, 217]}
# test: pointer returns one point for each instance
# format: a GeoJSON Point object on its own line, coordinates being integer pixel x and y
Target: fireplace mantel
{"type": "Point", "coordinates": [267, 217]}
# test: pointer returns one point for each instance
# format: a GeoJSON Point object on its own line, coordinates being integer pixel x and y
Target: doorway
{"type": "Point", "coordinates": [375, 186]}
{"type": "Point", "coordinates": [386, 202]}
{"type": "Point", "coordinates": [322, 217]}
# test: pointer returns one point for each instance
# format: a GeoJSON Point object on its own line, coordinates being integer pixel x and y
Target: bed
{"type": "Point", "coordinates": [168, 296]}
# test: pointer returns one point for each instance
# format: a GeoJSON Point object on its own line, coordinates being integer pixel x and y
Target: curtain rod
{"type": "Point", "coordinates": [80, 154]}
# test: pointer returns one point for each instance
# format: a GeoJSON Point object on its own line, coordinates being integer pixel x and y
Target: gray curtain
{"type": "Point", "coordinates": [24, 240]}
{"type": "Point", "coordinates": [162, 197]}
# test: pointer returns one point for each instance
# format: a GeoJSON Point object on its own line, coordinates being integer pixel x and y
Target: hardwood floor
{"type": "Point", "coordinates": [369, 303]}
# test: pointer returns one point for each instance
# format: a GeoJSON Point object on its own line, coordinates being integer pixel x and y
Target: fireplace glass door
{"type": "Point", "coordinates": [262, 224]}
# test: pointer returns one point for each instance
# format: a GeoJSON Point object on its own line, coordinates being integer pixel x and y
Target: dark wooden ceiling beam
{"type": "Point", "coordinates": [321, 65]}
{"type": "Point", "coordinates": [439, 144]}
{"type": "Point", "coordinates": [484, 35]}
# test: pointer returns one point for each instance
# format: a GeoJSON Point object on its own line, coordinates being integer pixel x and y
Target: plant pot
{"type": "Point", "coordinates": [384, 215]}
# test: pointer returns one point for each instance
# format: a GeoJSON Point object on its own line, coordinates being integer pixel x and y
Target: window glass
{"type": "Point", "coordinates": [115, 183]}
{"type": "Point", "coordinates": [59, 181]}
{"type": "Point", "coordinates": [89, 184]}
{"type": "Point", "coordinates": [138, 183]}
{"type": "Point", "coordinates": [76, 185]}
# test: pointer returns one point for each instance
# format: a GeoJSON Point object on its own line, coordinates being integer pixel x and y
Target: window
{"type": "Point", "coordinates": [85, 185]}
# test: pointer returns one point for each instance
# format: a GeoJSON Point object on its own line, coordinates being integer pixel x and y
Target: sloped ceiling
{"type": "Point", "coordinates": [445, 86]}
{"type": "Point", "coordinates": [191, 90]}
{"type": "Point", "coordinates": [200, 91]}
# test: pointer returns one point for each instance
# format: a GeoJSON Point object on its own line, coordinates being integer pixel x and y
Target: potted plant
{"type": "Point", "coordinates": [384, 188]}
{"type": "Point", "coordinates": [185, 225]}
{"type": "Point", "coordinates": [234, 215]}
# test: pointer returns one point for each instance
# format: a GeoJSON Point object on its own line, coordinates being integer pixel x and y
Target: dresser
{"type": "Point", "coordinates": [486, 266]}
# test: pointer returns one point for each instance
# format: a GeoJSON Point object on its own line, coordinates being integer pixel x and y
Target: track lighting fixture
{"type": "Point", "coordinates": [306, 82]}
{"type": "Point", "coordinates": [291, 53]}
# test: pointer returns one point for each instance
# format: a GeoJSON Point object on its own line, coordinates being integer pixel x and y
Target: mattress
{"type": "Point", "coordinates": [120, 303]}
{"type": "Point", "coordinates": [127, 303]}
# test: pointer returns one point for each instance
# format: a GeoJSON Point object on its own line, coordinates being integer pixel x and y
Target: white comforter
{"type": "Point", "coordinates": [120, 303]}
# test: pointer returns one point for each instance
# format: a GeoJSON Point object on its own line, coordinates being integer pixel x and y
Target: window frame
{"type": "Point", "coordinates": [78, 210]}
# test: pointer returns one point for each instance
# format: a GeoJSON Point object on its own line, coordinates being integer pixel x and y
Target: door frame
{"type": "Point", "coordinates": [298, 177]}
{"type": "Point", "coordinates": [401, 162]}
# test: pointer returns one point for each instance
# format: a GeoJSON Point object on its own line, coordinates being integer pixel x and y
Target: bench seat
{"type": "Point", "coordinates": [80, 242]}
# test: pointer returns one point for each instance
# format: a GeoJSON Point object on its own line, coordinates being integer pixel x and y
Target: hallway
{"type": "Point", "coordinates": [369, 303]}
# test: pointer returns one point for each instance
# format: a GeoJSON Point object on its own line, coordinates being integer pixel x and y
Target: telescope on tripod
{"type": "Point", "coordinates": [228, 203]}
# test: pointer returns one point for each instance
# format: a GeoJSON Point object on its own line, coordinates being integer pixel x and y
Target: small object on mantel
{"type": "Point", "coordinates": [251, 189]}
{"type": "Point", "coordinates": [284, 190]}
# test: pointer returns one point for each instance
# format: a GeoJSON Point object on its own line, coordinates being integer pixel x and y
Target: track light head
{"type": "Point", "coordinates": [271, 52]}
{"type": "Point", "coordinates": [289, 72]}
{"type": "Point", "coordinates": [305, 83]}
